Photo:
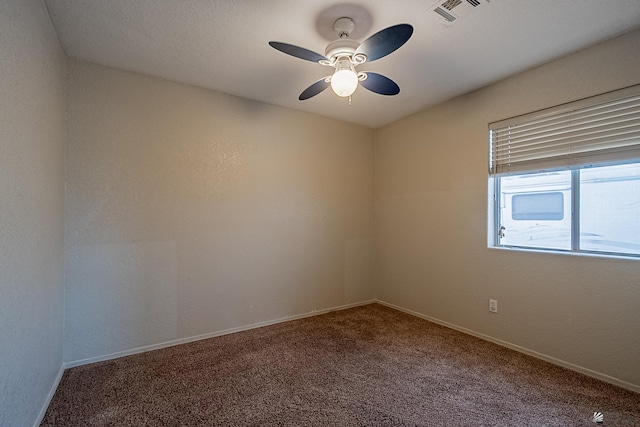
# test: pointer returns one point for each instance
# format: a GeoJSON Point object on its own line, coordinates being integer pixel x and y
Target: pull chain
{"type": "Point", "coordinates": [349, 100]}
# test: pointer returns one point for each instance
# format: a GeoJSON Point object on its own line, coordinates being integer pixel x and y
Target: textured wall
{"type": "Point", "coordinates": [31, 209]}
{"type": "Point", "coordinates": [431, 226]}
{"type": "Point", "coordinates": [190, 212]}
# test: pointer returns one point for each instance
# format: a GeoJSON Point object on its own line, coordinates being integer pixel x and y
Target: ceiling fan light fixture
{"type": "Point", "coordinates": [345, 54]}
{"type": "Point", "coordinates": [345, 80]}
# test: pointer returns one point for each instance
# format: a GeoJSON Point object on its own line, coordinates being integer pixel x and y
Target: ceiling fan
{"type": "Point", "coordinates": [345, 54]}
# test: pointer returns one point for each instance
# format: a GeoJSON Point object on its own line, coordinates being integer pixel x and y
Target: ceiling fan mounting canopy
{"type": "Point", "coordinates": [344, 26]}
{"type": "Point", "coordinates": [344, 54]}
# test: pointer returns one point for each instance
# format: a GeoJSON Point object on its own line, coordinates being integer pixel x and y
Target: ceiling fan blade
{"type": "Point", "coordinates": [314, 89]}
{"type": "Point", "coordinates": [386, 41]}
{"type": "Point", "coordinates": [297, 51]}
{"type": "Point", "coordinates": [380, 84]}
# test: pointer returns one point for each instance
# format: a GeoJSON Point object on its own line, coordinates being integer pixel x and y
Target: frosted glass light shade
{"type": "Point", "coordinates": [345, 80]}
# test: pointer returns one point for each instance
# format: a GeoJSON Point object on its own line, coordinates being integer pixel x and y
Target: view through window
{"type": "Point", "coordinates": [597, 210]}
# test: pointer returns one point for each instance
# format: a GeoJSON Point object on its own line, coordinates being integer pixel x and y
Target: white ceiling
{"type": "Point", "coordinates": [223, 44]}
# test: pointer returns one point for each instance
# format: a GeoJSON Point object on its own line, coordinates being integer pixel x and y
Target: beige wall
{"type": "Point", "coordinates": [431, 227]}
{"type": "Point", "coordinates": [191, 212]}
{"type": "Point", "coordinates": [31, 209]}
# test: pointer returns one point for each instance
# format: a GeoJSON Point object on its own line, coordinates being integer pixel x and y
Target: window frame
{"type": "Point", "coordinates": [495, 207]}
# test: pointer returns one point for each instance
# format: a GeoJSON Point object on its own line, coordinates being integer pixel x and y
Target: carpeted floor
{"type": "Point", "coordinates": [366, 366]}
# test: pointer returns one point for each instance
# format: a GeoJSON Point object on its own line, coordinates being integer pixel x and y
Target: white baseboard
{"type": "Point", "coordinates": [47, 401]}
{"type": "Point", "coordinates": [520, 349]}
{"type": "Point", "coordinates": [172, 343]}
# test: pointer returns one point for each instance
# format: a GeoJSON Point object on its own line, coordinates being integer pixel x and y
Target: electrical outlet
{"type": "Point", "coordinates": [493, 305]}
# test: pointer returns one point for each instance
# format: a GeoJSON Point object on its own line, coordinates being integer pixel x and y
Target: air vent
{"type": "Point", "coordinates": [446, 15]}
{"type": "Point", "coordinates": [450, 4]}
{"type": "Point", "coordinates": [448, 11]}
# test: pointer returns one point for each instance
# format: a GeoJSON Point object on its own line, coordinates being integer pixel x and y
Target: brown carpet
{"type": "Point", "coordinates": [367, 366]}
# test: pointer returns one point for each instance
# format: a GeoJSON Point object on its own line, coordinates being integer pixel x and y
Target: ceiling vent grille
{"type": "Point", "coordinates": [446, 15]}
{"type": "Point", "coordinates": [449, 11]}
{"type": "Point", "coordinates": [450, 4]}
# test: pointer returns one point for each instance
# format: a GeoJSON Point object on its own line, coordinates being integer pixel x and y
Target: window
{"type": "Point", "coordinates": [548, 205]}
{"type": "Point", "coordinates": [568, 178]}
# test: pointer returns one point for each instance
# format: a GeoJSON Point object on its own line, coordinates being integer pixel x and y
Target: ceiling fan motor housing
{"type": "Point", "coordinates": [340, 48]}
{"type": "Point", "coordinates": [343, 47]}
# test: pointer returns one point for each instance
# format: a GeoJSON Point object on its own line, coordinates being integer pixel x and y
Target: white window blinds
{"type": "Point", "coordinates": [601, 129]}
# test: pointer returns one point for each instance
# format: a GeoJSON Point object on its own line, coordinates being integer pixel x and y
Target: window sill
{"type": "Point", "coordinates": [567, 252]}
